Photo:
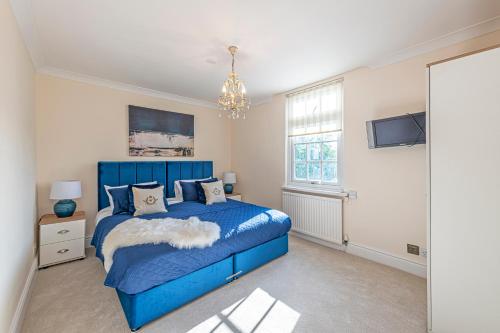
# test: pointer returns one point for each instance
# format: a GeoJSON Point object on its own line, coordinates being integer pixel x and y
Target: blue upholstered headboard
{"type": "Point", "coordinates": [165, 172]}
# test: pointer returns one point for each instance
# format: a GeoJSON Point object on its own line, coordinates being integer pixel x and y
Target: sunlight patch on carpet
{"type": "Point", "coordinates": [257, 313]}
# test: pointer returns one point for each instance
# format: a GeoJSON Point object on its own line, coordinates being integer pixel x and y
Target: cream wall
{"type": "Point", "coordinates": [79, 124]}
{"type": "Point", "coordinates": [17, 150]}
{"type": "Point", "coordinates": [258, 153]}
{"type": "Point", "coordinates": [391, 207]}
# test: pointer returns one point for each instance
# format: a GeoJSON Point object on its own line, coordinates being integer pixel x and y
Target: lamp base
{"type": "Point", "coordinates": [228, 188]}
{"type": "Point", "coordinates": [64, 208]}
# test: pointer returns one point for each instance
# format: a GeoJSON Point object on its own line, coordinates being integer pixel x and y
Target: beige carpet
{"type": "Point", "coordinates": [311, 289]}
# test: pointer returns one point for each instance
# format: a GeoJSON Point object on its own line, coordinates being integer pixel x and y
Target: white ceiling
{"type": "Point", "coordinates": [179, 47]}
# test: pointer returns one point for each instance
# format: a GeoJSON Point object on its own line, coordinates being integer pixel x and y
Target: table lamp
{"type": "Point", "coordinates": [64, 191]}
{"type": "Point", "coordinates": [229, 179]}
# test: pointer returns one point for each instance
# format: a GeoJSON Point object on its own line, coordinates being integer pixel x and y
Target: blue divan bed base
{"type": "Point", "coordinates": [143, 307]}
{"type": "Point", "coordinates": [151, 304]}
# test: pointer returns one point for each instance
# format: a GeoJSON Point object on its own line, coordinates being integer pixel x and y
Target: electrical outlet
{"type": "Point", "coordinates": [423, 252]}
{"type": "Point", "coordinates": [413, 249]}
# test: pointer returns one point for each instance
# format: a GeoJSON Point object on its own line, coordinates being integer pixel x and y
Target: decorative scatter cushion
{"type": "Point", "coordinates": [131, 207]}
{"type": "Point", "coordinates": [148, 201]}
{"type": "Point", "coordinates": [119, 198]}
{"type": "Point", "coordinates": [214, 192]}
{"type": "Point", "coordinates": [189, 192]}
{"type": "Point", "coordinates": [200, 191]}
{"type": "Point", "coordinates": [110, 198]}
{"type": "Point", "coordinates": [178, 187]}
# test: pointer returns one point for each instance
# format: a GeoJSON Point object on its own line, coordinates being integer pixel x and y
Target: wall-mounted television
{"type": "Point", "coordinates": [406, 130]}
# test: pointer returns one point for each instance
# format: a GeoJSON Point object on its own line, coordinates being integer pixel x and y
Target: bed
{"type": "Point", "coordinates": [152, 280]}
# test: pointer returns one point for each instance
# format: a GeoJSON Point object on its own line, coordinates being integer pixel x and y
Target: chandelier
{"type": "Point", "coordinates": [234, 98]}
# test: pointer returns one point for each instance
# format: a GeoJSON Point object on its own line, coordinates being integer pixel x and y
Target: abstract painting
{"type": "Point", "coordinates": [160, 133]}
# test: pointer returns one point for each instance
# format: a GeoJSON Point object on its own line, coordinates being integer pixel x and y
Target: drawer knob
{"type": "Point", "coordinates": [62, 232]}
{"type": "Point", "coordinates": [63, 251]}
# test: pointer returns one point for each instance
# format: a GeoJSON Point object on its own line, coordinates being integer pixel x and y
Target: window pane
{"type": "Point", "coordinates": [314, 171]}
{"type": "Point", "coordinates": [300, 152]}
{"type": "Point", "coordinates": [330, 151]}
{"type": "Point", "coordinates": [315, 157]}
{"type": "Point", "coordinates": [314, 151]}
{"type": "Point", "coordinates": [330, 172]}
{"type": "Point", "coordinates": [300, 171]}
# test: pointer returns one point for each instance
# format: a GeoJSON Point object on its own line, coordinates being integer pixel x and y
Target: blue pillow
{"type": "Point", "coordinates": [189, 192]}
{"type": "Point", "coordinates": [131, 207]}
{"type": "Point", "coordinates": [201, 193]}
{"type": "Point", "coordinates": [120, 200]}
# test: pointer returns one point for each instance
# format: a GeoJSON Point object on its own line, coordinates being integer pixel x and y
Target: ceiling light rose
{"type": "Point", "coordinates": [234, 98]}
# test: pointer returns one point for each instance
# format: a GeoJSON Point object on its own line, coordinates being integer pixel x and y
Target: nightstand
{"type": "Point", "coordinates": [234, 196]}
{"type": "Point", "coordinates": [61, 239]}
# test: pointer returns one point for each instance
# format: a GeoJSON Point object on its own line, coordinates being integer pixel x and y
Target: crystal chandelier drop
{"type": "Point", "coordinates": [234, 98]}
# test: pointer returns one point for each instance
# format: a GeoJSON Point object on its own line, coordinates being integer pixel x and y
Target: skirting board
{"type": "Point", "coordinates": [17, 320]}
{"type": "Point", "coordinates": [379, 256]}
{"type": "Point", "coordinates": [317, 240]}
{"type": "Point", "coordinates": [88, 239]}
{"type": "Point", "coordinates": [387, 259]}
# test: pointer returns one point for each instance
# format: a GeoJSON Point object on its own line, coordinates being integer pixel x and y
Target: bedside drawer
{"type": "Point", "coordinates": [58, 232]}
{"type": "Point", "coordinates": [62, 251]}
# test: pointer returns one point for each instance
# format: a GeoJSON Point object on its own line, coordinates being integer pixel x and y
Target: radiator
{"type": "Point", "coordinates": [319, 217]}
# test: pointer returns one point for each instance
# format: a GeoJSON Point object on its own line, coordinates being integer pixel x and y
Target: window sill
{"type": "Point", "coordinates": [309, 190]}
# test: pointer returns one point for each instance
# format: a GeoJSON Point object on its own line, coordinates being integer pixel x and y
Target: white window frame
{"type": "Point", "coordinates": [329, 186]}
{"type": "Point", "coordinates": [314, 185]}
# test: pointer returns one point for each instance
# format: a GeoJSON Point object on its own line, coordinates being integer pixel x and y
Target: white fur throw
{"type": "Point", "coordinates": [182, 234]}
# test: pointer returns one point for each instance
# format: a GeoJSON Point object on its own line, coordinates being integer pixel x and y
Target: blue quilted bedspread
{"type": "Point", "coordinates": [141, 267]}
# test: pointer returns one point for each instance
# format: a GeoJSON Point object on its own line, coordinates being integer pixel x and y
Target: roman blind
{"type": "Point", "coordinates": [315, 110]}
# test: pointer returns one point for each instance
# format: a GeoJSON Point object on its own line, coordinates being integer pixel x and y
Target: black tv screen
{"type": "Point", "coordinates": [407, 130]}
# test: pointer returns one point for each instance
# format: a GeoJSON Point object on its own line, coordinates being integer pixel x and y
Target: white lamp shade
{"type": "Point", "coordinates": [229, 178]}
{"type": "Point", "coordinates": [66, 189]}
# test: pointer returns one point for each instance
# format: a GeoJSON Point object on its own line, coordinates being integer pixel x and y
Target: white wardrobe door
{"type": "Point", "coordinates": [464, 153]}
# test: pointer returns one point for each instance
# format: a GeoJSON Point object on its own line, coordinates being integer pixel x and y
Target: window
{"type": "Point", "coordinates": [315, 136]}
{"type": "Point", "coordinates": [315, 158]}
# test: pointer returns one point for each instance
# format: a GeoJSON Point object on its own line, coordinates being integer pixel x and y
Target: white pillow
{"type": "Point", "coordinates": [214, 192]}
{"type": "Point", "coordinates": [173, 201]}
{"type": "Point", "coordinates": [110, 198]}
{"type": "Point", "coordinates": [148, 201]}
{"type": "Point", "coordinates": [105, 212]}
{"type": "Point", "coordinates": [178, 187]}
